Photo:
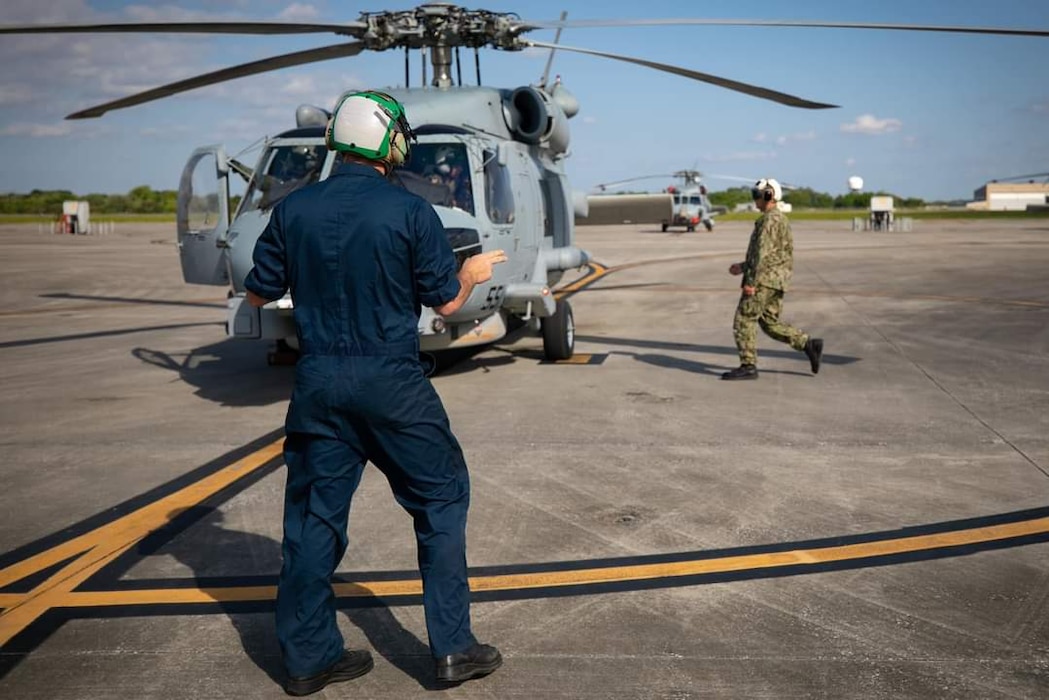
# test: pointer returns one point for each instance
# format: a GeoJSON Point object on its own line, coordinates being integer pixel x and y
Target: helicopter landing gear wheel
{"type": "Point", "coordinates": [282, 355]}
{"type": "Point", "coordinates": [665, 226]}
{"type": "Point", "coordinates": [559, 333]}
{"type": "Point", "coordinates": [709, 225]}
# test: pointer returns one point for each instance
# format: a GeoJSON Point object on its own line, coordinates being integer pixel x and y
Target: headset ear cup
{"type": "Point", "coordinates": [329, 134]}
{"type": "Point", "coordinates": [398, 148]}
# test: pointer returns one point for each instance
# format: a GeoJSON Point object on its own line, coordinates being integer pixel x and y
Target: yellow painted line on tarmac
{"type": "Point", "coordinates": [576, 359]}
{"type": "Point", "coordinates": [772, 560]}
{"type": "Point", "coordinates": [577, 577]}
{"type": "Point", "coordinates": [101, 546]}
{"type": "Point", "coordinates": [597, 271]}
{"type": "Point", "coordinates": [942, 297]}
{"type": "Point", "coordinates": [52, 593]}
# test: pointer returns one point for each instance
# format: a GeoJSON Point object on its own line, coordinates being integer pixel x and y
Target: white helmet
{"type": "Point", "coordinates": [445, 156]}
{"type": "Point", "coordinates": [768, 189]}
{"type": "Point", "coordinates": [372, 125]}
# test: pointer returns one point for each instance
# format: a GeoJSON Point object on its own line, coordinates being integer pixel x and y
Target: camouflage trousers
{"type": "Point", "coordinates": [763, 309]}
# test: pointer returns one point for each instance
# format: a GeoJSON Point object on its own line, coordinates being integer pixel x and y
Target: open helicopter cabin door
{"type": "Point", "coordinates": [203, 217]}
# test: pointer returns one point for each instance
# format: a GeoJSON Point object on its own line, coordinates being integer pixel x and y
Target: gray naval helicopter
{"type": "Point", "coordinates": [490, 160]}
{"type": "Point", "coordinates": [689, 205]}
{"type": "Point", "coordinates": [496, 182]}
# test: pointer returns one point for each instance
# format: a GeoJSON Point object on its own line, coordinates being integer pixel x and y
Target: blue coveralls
{"type": "Point", "coordinates": [360, 256]}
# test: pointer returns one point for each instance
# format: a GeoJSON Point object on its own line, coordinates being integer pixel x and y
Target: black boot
{"type": "Point", "coordinates": [478, 660]}
{"type": "Point", "coordinates": [814, 351]}
{"type": "Point", "coordinates": [352, 664]}
{"type": "Point", "coordinates": [742, 372]}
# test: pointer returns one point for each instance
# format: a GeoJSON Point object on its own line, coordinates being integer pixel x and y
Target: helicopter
{"type": "Point", "coordinates": [690, 205]}
{"type": "Point", "coordinates": [491, 190]}
{"type": "Point", "coordinates": [506, 147]}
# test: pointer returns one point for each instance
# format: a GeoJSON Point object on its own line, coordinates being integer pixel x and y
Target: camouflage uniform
{"type": "Point", "coordinates": [768, 268]}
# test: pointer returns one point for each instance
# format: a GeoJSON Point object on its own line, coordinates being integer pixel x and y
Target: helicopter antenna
{"type": "Point", "coordinates": [407, 71]}
{"type": "Point", "coordinates": [458, 66]}
{"type": "Point", "coordinates": [477, 64]}
{"type": "Point", "coordinates": [550, 58]}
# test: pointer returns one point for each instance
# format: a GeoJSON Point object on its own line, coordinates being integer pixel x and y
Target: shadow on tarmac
{"type": "Point", "coordinates": [26, 342]}
{"type": "Point", "coordinates": [676, 363]}
{"type": "Point", "coordinates": [133, 300]}
{"type": "Point", "coordinates": [219, 556]}
{"type": "Point", "coordinates": [230, 372]}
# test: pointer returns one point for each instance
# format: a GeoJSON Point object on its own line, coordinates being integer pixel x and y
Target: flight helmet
{"type": "Point", "coordinates": [767, 189]}
{"type": "Point", "coordinates": [372, 125]}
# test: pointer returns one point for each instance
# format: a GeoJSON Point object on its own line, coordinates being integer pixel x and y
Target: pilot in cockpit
{"type": "Point", "coordinates": [452, 170]}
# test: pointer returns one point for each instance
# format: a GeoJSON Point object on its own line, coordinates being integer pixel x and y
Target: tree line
{"type": "Point", "coordinates": [140, 200]}
{"type": "Point", "coordinates": [145, 200]}
{"type": "Point", "coordinates": [807, 198]}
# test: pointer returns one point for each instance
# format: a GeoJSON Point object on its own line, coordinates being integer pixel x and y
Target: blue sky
{"type": "Point", "coordinates": [926, 115]}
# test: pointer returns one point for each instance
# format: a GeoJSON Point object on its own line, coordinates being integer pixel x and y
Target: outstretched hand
{"type": "Point", "coordinates": [479, 267]}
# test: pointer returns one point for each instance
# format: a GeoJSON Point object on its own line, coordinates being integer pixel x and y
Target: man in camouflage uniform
{"type": "Point", "coordinates": [766, 276]}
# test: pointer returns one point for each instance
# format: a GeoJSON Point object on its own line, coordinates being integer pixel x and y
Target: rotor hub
{"type": "Point", "coordinates": [441, 25]}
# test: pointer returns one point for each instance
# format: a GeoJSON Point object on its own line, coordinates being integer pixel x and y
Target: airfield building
{"type": "Point", "coordinates": [1005, 196]}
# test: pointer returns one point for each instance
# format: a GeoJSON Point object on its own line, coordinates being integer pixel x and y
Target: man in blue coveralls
{"type": "Point", "coordinates": [360, 256]}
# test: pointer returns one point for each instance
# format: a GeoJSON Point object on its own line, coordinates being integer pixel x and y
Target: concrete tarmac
{"type": "Point", "coordinates": [639, 529]}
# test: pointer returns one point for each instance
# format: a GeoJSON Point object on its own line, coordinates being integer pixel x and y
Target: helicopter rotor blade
{"type": "Point", "coordinates": [736, 178]}
{"type": "Point", "coordinates": [287, 60]}
{"type": "Point", "coordinates": [525, 25]}
{"type": "Point", "coordinates": [347, 29]}
{"type": "Point", "coordinates": [753, 90]}
{"type": "Point", "coordinates": [605, 185]}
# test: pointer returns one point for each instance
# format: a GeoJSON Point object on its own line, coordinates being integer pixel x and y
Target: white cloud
{"type": "Point", "coordinates": [236, 128]}
{"type": "Point", "coordinates": [280, 93]}
{"type": "Point", "coordinates": [870, 124]}
{"type": "Point", "coordinates": [165, 132]}
{"type": "Point", "coordinates": [34, 11]}
{"type": "Point", "coordinates": [15, 94]}
{"type": "Point", "coordinates": [590, 120]}
{"type": "Point", "coordinates": [790, 138]}
{"type": "Point", "coordinates": [760, 137]}
{"type": "Point", "coordinates": [741, 156]}
{"type": "Point", "coordinates": [850, 162]}
{"type": "Point", "coordinates": [169, 13]}
{"type": "Point", "coordinates": [34, 131]}
{"type": "Point", "coordinates": [300, 85]}
{"type": "Point", "coordinates": [299, 12]}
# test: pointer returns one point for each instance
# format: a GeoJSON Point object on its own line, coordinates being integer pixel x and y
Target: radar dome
{"type": "Point", "coordinates": [855, 183]}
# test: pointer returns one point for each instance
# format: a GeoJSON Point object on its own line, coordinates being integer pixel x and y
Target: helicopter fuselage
{"type": "Point", "coordinates": [691, 208]}
{"type": "Point", "coordinates": [496, 182]}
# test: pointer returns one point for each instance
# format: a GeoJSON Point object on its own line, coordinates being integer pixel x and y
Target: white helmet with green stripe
{"type": "Point", "coordinates": [371, 125]}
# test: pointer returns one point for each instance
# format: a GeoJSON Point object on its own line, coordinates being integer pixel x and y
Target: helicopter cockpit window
{"type": "Point", "coordinates": [285, 168]}
{"type": "Point", "coordinates": [498, 192]}
{"type": "Point", "coordinates": [440, 174]}
{"type": "Point", "coordinates": [695, 199]}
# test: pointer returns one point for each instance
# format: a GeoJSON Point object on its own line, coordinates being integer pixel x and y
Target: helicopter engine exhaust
{"type": "Point", "coordinates": [533, 117]}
